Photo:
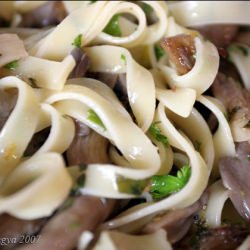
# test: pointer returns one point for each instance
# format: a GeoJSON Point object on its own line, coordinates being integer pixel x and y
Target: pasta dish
{"type": "Point", "coordinates": [124, 125]}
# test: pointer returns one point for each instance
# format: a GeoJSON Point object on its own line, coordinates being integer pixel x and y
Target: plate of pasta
{"type": "Point", "coordinates": [124, 125]}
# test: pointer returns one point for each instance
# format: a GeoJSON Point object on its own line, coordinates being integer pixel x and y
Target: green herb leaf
{"type": "Point", "coordinates": [78, 185]}
{"type": "Point", "coordinates": [74, 225]}
{"type": "Point", "coordinates": [93, 117]}
{"type": "Point", "coordinates": [123, 58]}
{"type": "Point", "coordinates": [146, 8]}
{"type": "Point", "coordinates": [129, 186]}
{"type": "Point", "coordinates": [12, 65]}
{"type": "Point", "coordinates": [159, 52]}
{"type": "Point", "coordinates": [112, 28]}
{"type": "Point", "coordinates": [155, 131]}
{"type": "Point", "coordinates": [78, 41]}
{"type": "Point", "coordinates": [93, 1]}
{"type": "Point", "coordinates": [164, 185]}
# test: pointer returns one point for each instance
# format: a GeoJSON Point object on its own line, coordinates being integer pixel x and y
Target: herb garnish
{"type": "Point", "coordinates": [12, 65]}
{"type": "Point", "coordinates": [155, 131]}
{"type": "Point", "coordinates": [93, 117]}
{"type": "Point", "coordinates": [126, 185]}
{"type": "Point", "coordinates": [78, 41]}
{"type": "Point", "coordinates": [159, 52]}
{"type": "Point", "coordinates": [164, 185]}
{"type": "Point", "coordinates": [146, 8]}
{"type": "Point", "coordinates": [123, 57]}
{"type": "Point", "coordinates": [112, 28]}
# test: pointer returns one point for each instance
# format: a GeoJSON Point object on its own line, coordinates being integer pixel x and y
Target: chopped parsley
{"type": "Point", "coordinates": [78, 41]}
{"type": "Point", "coordinates": [159, 51]}
{"type": "Point", "coordinates": [112, 28]}
{"type": "Point", "coordinates": [155, 131]}
{"type": "Point", "coordinates": [146, 8]}
{"type": "Point", "coordinates": [74, 225]}
{"type": "Point", "coordinates": [129, 186]}
{"type": "Point", "coordinates": [78, 185]}
{"type": "Point", "coordinates": [93, 117]}
{"type": "Point", "coordinates": [12, 65]}
{"type": "Point", "coordinates": [124, 59]}
{"type": "Point", "coordinates": [164, 185]}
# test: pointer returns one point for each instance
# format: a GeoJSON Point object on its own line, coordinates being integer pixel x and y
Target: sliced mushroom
{"type": "Point", "coordinates": [13, 228]}
{"type": "Point", "coordinates": [237, 102]}
{"type": "Point", "coordinates": [219, 35]}
{"type": "Point", "coordinates": [176, 222]}
{"type": "Point", "coordinates": [180, 50]}
{"type": "Point", "coordinates": [223, 238]}
{"type": "Point", "coordinates": [48, 14]}
{"type": "Point", "coordinates": [63, 230]}
{"type": "Point", "coordinates": [235, 173]}
{"type": "Point", "coordinates": [87, 147]}
{"type": "Point", "coordinates": [8, 100]}
{"type": "Point", "coordinates": [82, 63]}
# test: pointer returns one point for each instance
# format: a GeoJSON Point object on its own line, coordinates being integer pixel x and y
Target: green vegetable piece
{"type": "Point", "coordinates": [146, 8]}
{"type": "Point", "coordinates": [93, 1]}
{"type": "Point", "coordinates": [155, 131]}
{"type": "Point", "coordinates": [12, 65]}
{"type": "Point", "coordinates": [129, 186]}
{"type": "Point", "coordinates": [78, 41]}
{"type": "Point", "coordinates": [159, 52]}
{"type": "Point", "coordinates": [93, 117]}
{"type": "Point", "coordinates": [112, 28]}
{"type": "Point", "coordinates": [164, 185]}
{"type": "Point", "coordinates": [123, 57]}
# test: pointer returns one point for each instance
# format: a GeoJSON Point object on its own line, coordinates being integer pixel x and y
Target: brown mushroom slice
{"type": "Point", "coordinates": [87, 146]}
{"type": "Point", "coordinates": [14, 228]}
{"type": "Point", "coordinates": [180, 50]}
{"type": "Point", "coordinates": [235, 173]}
{"type": "Point", "coordinates": [220, 35]}
{"type": "Point", "coordinates": [63, 230]}
{"type": "Point", "coordinates": [48, 14]}
{"type": "Point", "coordinates": [237, 102]}
{"type": "Point", "coordinates": [227, 237]}
{"type": "Point", "coordinates": [82, 63]}
{"type": "Point", "coordinates": [176, 222]}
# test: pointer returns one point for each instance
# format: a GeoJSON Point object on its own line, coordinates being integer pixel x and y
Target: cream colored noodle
{"type": "Point", "coordinates": [122, 132]}
{"type": "Point", "coordinates": [242, 61]}
{"type": "Point", "coordinates": [218, 195]}
{"type": "Point", "coordinates": [140, 83]}
{"type": "Point", "coordinates": [31, 192]}
{"type": "Point", "coordinates": [189, 194]}
{"type": "Point", "coordinates": [26, 115]}
{"type": "Point", "coordinates": [42, 71]}
{"type": "Point", "coordinates": [196, 13]}
{"type": "Point", "coordinates": [223, 140]}
{"type": "Point", "coordinates": [114, 240]}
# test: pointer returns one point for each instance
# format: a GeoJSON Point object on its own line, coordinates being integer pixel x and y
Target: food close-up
{"type": "Point", "coordinates": [125, 125]}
